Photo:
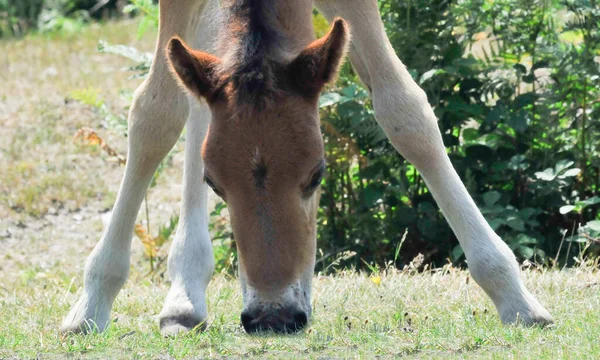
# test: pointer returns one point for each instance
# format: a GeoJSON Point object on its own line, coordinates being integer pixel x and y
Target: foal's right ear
{"type": "Point", "coordinates": [196, 70]}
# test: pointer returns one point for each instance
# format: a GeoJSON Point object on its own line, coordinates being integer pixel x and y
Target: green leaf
{"type": "Point", "coordinates": [427, 208]}
{"type": "Point", "coordinates": [566, 209]}
{"type": "Point", "coordinates": [527, 213]}
{"type": "Point", "coordinates": [329, 99]}
{"type": "Point", "coordinates": [525, 252]}
{"type": "Point", "coordinates": [519, 121]}
{"type": "Point", "coordinates": [372, 194]}
{"type": "Point", "coordinates": [428, 228]}
{"type": "Point", "coordinates": [529, 79]}
{"type": "Point", "coordinates": [524, 100]}
{"type": "Point", "coordinates": [145, 23]}
{"type": "Point", "coordinates": [430, 74]}
{"type": "Point", "coordinates": [540, 64]}
{"type": "Point", "coordinates": [523, 239]}
{"type": "Point", "coordinates": [594, 225]}
{"type": "Point", "coordinates": [546, 175]}
{"type": "Point", "coordinates": [470, 134]}
{"type": "Point", "coordinates": [496, 223]}
{"type": "Point", "coordinates": [349, 109]}
{"type": "Point", "coordinates": [457, 253]}
{"type": "Point", "coordinates": [516, 223]}
{"type": "Point", "coordinates": [520, 68]}
{"type": "Point", "coordinates": [352, 92]}
{"type": "Point", "coordinates": [563, 165]}
{"type": "Point", "coordinates": [570, 173]}
{"type": "Point", "coordinates": [517, 162]}
{"type": "Point", "coordinates": [491, 198]}
{"type": "Point", "coordinates": [405, 215]}
{"type": "Point", "coordinates": [129, 8]}
{"type": "Point", "coordinates": [414, 74]}
{"type": "Point", "coordinates": [591, 201]}
{"type": "Point", "coordinates": [493, 118]}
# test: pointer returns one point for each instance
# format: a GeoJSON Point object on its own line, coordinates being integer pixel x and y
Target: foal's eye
{"type": "Point", "coordinates": [212, 185]}
{"type": "Point", "coordinates": [315, 180]}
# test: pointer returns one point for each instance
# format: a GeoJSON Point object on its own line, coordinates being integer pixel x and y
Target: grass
{"type": "Point", "coordinates": [430, 315]}
{"type": "Point", "coordinates": [53, 197]}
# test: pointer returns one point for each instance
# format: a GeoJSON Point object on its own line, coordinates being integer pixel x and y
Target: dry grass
{"type": "Point", "coordinates": [54, 193]}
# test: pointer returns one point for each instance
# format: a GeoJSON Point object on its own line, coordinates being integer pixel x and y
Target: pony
{"type": "Point", "coordinates": [244, 76]}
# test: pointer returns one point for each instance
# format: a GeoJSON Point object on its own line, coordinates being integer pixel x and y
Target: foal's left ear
{"type": "Point", "coordinates": [196, 70]}
{"type": "Point", "coordinates": [319, 62]}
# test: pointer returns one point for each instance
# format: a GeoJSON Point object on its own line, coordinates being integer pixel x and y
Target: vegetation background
{"type": "Point", "coordinates": [516, 88]}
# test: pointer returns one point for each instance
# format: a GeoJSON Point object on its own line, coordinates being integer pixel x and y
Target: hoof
{"type": "Point", "coordinates": [85, 318]}
{"type": "Point", "coordinates": [180, 324]}
{"type": "Point", "coordinates": [527, 312]}
{"type": "Point", "coordinates": [85, 326]}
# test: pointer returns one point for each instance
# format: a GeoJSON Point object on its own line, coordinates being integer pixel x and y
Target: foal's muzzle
{"type": "Point", "coordinates": [286, 321]}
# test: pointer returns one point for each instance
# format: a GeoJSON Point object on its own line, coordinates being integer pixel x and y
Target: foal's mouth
{"type": "Point", "coordinates": [267, 323]}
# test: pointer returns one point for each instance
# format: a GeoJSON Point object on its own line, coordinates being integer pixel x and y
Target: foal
{"type": "Point", "coordinates": [263, 155]}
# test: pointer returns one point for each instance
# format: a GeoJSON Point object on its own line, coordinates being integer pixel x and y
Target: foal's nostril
{"type": "Point", "coordinates": [300, 320]}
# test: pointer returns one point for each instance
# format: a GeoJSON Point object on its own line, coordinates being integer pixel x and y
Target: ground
{"type": "Point", "coordinates": [55, 196]}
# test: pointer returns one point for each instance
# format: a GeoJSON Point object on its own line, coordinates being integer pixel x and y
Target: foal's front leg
{"type": "Point", "coordinates": [401, 108]}
{"type": "Point", "coordinates": [191, 262]}
{"type": "Point", "coordinates": [157, 116]}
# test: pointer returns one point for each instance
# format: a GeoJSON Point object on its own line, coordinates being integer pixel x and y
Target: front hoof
{"type": "Point", "coordinates": [85, 318]}
{"type": "Point", "coordinates": [528, 312]}
{"type": "Point", "coordinates": [180, 324]}
{"type": "Point", "coordinates": [84, 327]}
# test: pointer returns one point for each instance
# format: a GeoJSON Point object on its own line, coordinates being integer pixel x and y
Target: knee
{"type": "Point", "coordinates": [155, 120]}
{"type": "Point", "coordinates": [402, 110]}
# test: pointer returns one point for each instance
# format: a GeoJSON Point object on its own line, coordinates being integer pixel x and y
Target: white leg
{"type": "Point", "coordinates": [191, 262]}
{"type": "Point", "coordinates": [401, 108]}
{"type": "Point", "coordinates": [156, 118]}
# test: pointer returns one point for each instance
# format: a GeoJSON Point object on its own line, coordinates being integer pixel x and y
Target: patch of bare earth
{"type": "Point", "coordinates": [54, 192]}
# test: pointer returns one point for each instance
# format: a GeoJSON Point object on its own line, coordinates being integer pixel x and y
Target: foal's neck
{"type": "Point", "coordinates": [295, 21]}
{"type": "Point", "coordinates": [284, 27]}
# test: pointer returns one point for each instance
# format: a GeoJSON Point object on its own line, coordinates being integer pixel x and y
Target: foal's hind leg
{"type": "Point", "coordinates": [401, 108]}
{"type": "Point", "coordinates": [156, 118]}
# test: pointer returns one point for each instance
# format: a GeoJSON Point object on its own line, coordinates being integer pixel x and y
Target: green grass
{"type": "Point", "coordinates": [53, 194]}
{"type": "Point", "coordinates": [430, 315]}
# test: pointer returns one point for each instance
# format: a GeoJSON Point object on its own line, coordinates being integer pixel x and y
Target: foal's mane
{"type": "Point", "coordinates": [249, 39]}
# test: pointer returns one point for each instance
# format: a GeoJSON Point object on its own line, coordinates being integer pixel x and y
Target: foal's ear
{"type": "Point", "coordinates": [194, 69]}
{"type": "Point", "coordinates": [319, 62]}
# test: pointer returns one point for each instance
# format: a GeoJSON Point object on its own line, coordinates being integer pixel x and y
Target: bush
{"type": "Point", "coordinates": [17, 17]}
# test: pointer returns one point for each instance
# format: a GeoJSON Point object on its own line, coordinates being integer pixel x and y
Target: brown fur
{"type": "Point", "coordinates": [264, 144]}
{"type": "Point", "coordinates": [274, 232]}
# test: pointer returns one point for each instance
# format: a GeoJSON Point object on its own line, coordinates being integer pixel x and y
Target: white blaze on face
{"type": "Point", "coordinates": [256, 158]}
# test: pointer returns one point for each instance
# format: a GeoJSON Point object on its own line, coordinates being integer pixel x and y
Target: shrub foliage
{"type": "Point", "coordinates": [515, 85]}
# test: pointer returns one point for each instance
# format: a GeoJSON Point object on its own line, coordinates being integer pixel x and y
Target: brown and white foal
{"type": "Point", "coordinates": [253, 136]}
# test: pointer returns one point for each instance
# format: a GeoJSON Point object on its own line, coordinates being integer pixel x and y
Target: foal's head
{"type": "Point", "coordinates": [264, 156]}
